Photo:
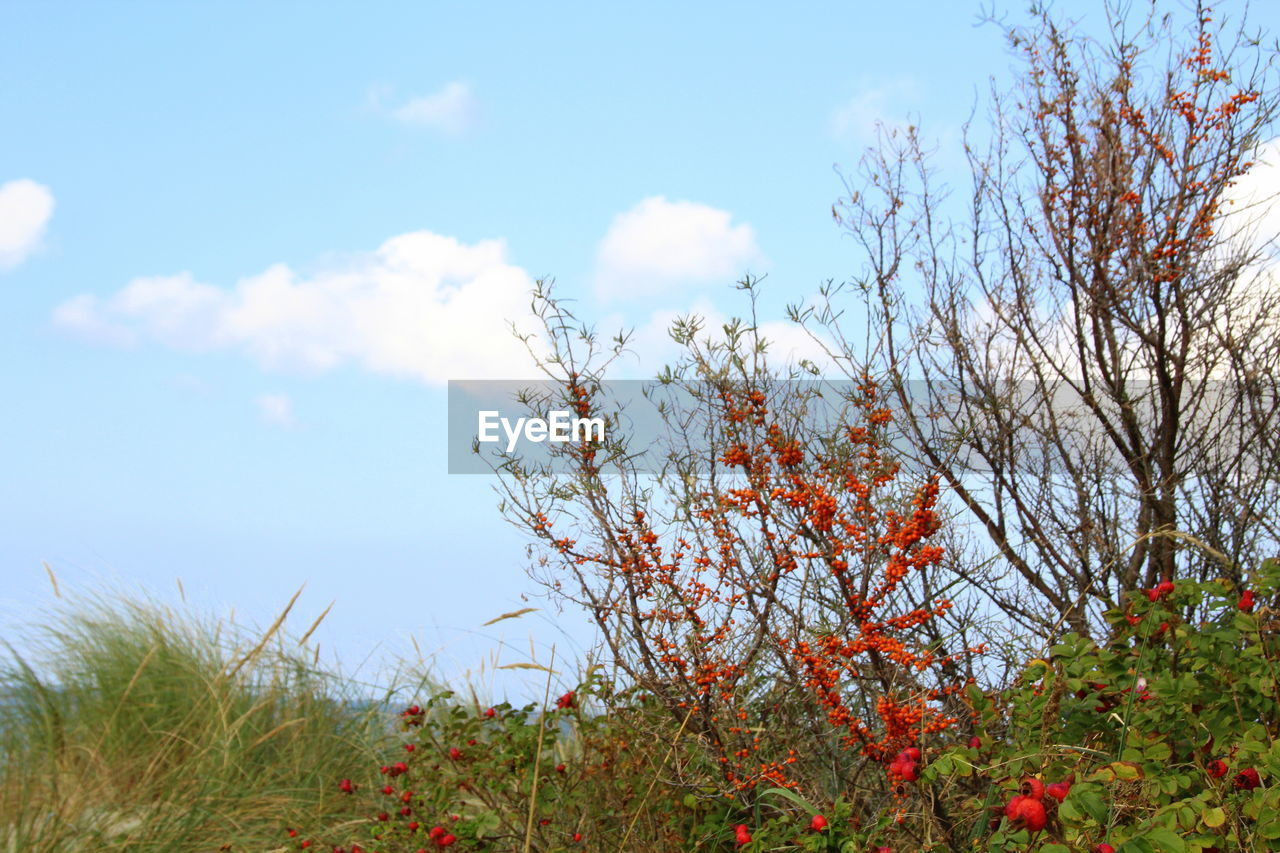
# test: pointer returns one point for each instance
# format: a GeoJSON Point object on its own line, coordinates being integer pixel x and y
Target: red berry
{"type": "Point", "coordinates": [388, 790]}
{"type": "Point", "coordinates": [546, 821]}
{"type": "Point", "coordinates": [490, 712]}
{"type": "Point", "coordinates": [1011, 807]}
{"type": "Point", "coordinates": [741, 835]}
{"type": "Point", "coordinates": [1216, 768]}
{"type": "Point", "coordinates": [1026, 812]}
{"type": "Point", "coordinates": [304, 845]}
{"type": "Point", "coordinates": [1059, 790]}
{"type": "Point", "coordinates": [413, 711]}
{"type": "Point", "coordinates": [577, 837]}
{"type": "Point", "coordinates": [904, 769]}
{"type": "Point", "coordinates": [293, 833]}
{"type": "Point", "coordinates": [975, 742]}
{"type": "Point", "coordinates": [455, 753]}
{"type": "Point", "coordinates": [406, 811]}
{"type": "Point", "coordinates": [408, 747]}
{"type": "Point", "coordinates": [905, 766]}
{"type": "Point", "coordinates": [446, 840]}
{"type": "Point", "coordinates": [1032, 788]}
{"type": "Point", "coordinates": [559, 768]}
{"type": "Point", "coordinates": [1246, 602]}
{"type": "Point", "coordinates": [383, 816]}
{"type": "Point", "coordinates": [565, 701]}
{"type": "Point", "coordinates": [818, 823]}
{"type": "Point", "coordinates": [1104, 847]}
{"type": "Point", "coordinates": [1164, 588]}
{"type": "Point", "coordinates": [1247, 779]}
{"type": "Point", "coordinates": [436, 832]}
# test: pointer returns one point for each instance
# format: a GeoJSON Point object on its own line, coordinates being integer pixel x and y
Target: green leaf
{"type": "Point", "coordinates": [1246, 622]}
{"type": "Point", "coordinates": [1093, 803]}
{"type": "Point", "coordinates": [795, 798]}
{"type": "Point", "coordinates": [1270, 830]}
{"type": "Point", "coordinates": [1055, 848]}
{"type": "Point", "coordinates": [486, 823]}
{"type": "Point", "coordinates": [1213, 817]}
{"type": "Point", "coordinates": [1136, 845]}
{"type": "Point", "coordinates": [1165, 840]}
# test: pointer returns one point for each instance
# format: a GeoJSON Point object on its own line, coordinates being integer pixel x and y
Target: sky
{"type": "Point", "coordinates": [243, 247]}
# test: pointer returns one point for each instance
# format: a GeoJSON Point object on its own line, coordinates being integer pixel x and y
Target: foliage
{"type": "Point", "coordinates": [1160, 740]}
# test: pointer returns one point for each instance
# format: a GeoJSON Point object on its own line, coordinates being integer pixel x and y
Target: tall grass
{"type": "Point", "coordinates": [125, 726]}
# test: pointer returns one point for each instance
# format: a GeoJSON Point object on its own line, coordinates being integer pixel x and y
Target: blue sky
{"type": "Point", "coordinates": [243, 246]}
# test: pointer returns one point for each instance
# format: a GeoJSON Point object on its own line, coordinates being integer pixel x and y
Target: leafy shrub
{"type": "Point", "coordinates": [1158, 740]}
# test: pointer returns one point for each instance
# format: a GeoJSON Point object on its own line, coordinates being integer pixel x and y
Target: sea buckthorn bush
{"type": "Point", "coordinates": [778, 596]}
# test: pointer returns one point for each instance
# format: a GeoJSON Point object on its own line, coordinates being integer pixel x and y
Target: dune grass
{"type": "Point", "coordinates": [126, 726]}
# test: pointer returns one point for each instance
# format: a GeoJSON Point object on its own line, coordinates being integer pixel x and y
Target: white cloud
{"type": "Point", "coordinates": [453, 109]}
{"type": "Point", "coordinates": [1251, 224]}
{"type": "Point", "coordinates": [25, 208]}
{"type": "Point", "coordinates": [1252, 213]}
{"type": "Point", "coordinates": [660, 244]}
{"type": "Point", "coordinates": [423, 306]}
{"type": "Point", "coordinates": [276, 410]}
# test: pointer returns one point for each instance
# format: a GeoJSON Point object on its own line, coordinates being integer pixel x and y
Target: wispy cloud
{"type": "Point", "coordinates": [884, 103]}
{"type": "Point", "coordinates": [25, 210]}
{"type": "Point", "coordinates": [453, 109]}
{"type": "Point", "coordinates": [276, 410]}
